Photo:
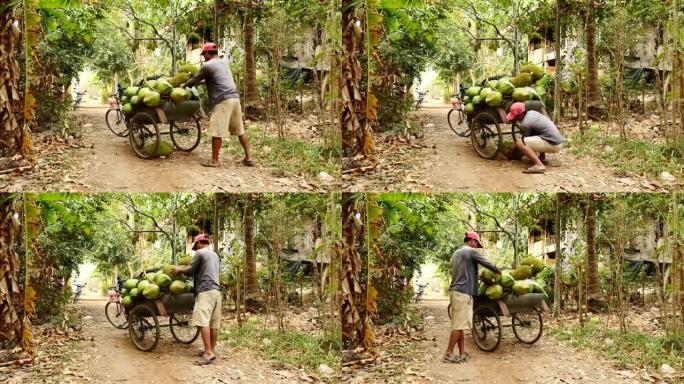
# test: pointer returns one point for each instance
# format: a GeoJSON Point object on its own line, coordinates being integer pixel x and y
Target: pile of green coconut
{"type": "Point", "coordinates": [153, 286]}
{"type": "Point", "coordinates": [527, 278]}
{"type": "Point", "coordinates": [527, 85]}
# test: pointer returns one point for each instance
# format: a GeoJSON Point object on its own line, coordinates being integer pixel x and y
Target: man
{"type": "Point", "coordinates": [226, 120]}
{"type": "Point", "coordinates": [461, 291]}
{"type": "Point", "coordinates": [539, 134]}
{"type": "Point", "coordinates": [207, 312]}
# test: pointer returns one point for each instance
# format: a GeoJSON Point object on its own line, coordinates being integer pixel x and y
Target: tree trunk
{"type": "Point", "coordinates": [10, 102]}
{"type": "Point", "coordinates": [557, 78]}
{"type": "Point", "coordinates": [593, 281]}
{"type": "Point", "coordinates": [353, 101]}
{"type": "Point", "coordinates": [351, 292]}
{"type": "Point", "coordinates": [251, 91]}
{"type": "Point", "coordinates": [252, 285]}
{"type": "Point", "coordinates": [559, 256]}
{"type": "Point", "coordinates": [594, 101]}
{"type": "Point", "coordinates": [10, 235]}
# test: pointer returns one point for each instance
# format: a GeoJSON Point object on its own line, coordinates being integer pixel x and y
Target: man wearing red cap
{"type": "Point", "coordinates": [226, 119]}
{"type": "Point", "coordinates": [539, 134]}
{"type": "Point", "coordinates": [207, 312]}
{"type": "Point", "coordinates": [463, 287]}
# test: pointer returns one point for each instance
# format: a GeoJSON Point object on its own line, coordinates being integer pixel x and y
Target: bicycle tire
{"type": "Point", "coordinates": [481, 134]}
{"type": "Point", "coordinates": [173, 320]}
{"type": "Point", "coordinates": [465, 131]}
{"type": "Point", "coordinates": [119, 119]}
{"type": "Point", "coordinates": [122, 325]}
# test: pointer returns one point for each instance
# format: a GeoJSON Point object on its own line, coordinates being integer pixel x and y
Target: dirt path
{"type": "Point", "coordinates": [111, 357]}
{"type": "Point", "coordinates": [441, 161]}
{"type": "Point", "coordinates": [106, 163]}
{"type": "Point", "coordinates": [547, 361]}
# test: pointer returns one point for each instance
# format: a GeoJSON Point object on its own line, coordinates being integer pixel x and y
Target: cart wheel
{"type": "Point", "coordinates": [186, 135]}
{"type": "Point", "coordinates": [515, 130]}
{"type": "Point", "coordinates": [528, 326]}
{"type": "Point", "coordinates": [143, 328]}
{"type": "Point", "coordinates": [143, 130]}
{"type": "Point", "coordinates": [182, 329]}
{"type": "Point", "coordinates": [485, 134]}
{"type": "Point", "coordinates": [486, 329]}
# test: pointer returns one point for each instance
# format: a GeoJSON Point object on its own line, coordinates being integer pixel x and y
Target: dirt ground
{"type": "Point", "coordinates": [103, 162]}
{"type": "Point", "coordinates": [547, 361]}
{"type": "Point", "coordinates": [444, 162]}
{"type": "Point", "coordinates": [108, 356]}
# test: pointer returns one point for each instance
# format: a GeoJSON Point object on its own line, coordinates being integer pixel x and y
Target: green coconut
{"type": "Point", "coordinates": [179, 79]}
{"type": "Point", "coordinates": [536, 287]}
{"type": "Point", "coordinates": [476, 100]}
{"type": "Point", "coordinates": [151, 292]}
{"type": "Point", "coordinates": [131, 283]}
{"type": "Point", "coordinates": [535, 263]}
{"type": "Point", "coordinates": [467, 99]}
{"type": "Point", "coordinates": [127, 108]}
{"type": "Point", "coordinates": [163, 280]}
{"type": "Point", "coordinates": [124, 100]}
{"type": "Point", "coordinates": [522, 272]}
{"type": "Point", "coordinates": [489, 277]}
{"type": "Point", "coordinates": [178, 95]}
{"type": "Point", "coordinates": [189, 69]}
{"type": "Point", "coordinates": [522, 287]}
{"type": "Point", "coordinates": [150, 277]}
{"type": "Point", "coordinates": [163, 87]}
{"type": "Point", "coordinates": [535, 71]}
{"type": "Point", "coordinates": [494, 292]}
{"type": "Point", "coordinates": [493, 84]}
{"type": "Point", "coordinates": [131, 91]}
{"type": "Point", "coordinates": [177, 287]}
{"type": "Point", "coordinates": [165, 149]}
{"type": "Point", "coordinates": [484, 92]}
{"type": "Point", "coordinates": [142, 92]}
{"type": "Point", "coordinates": [505, 87]}
{"type": "Point", "coordinates": [494, 99]}
{"type": "Point", "coordinates": [143, 284]}
{"type": "Point", "coordinates": [185, 260]}
{"type": "Point", "coordinates": [152, 99]}
{"type": "Point", "coordinates": [469, 108]}
{"type": "Point", "coordinates": [521, 94]}
{"type": "Point", "coordinates": [533, 94]}
{"type": "Point", "coordinates": [135, 100]}
{"type": "Point", "coordinates": [151, 84]}
{"type": "Point", "coordinates": [522, 80]}
{"type": "Point", "coordinates": [481, 289]}
{"type": "Point", "coordinates": [189, 286]}
{"type": "Point", "coordinates": [124, 292]}
{"type": "Point", "coordinates": [473, 91]}
{"type": "Point", "coordinates": [127, 301]}
{"type": "Point", "coordinates": [506, 279]}
{"type": "Point", "coordinates": [134, 293]}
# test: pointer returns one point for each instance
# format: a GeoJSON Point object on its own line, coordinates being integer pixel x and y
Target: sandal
{"type": "Point", "coordinates": [201, 354]}
{"type": "Point", "coordinates": [204, 361]}
{"type": "Point", "coordinates": [453, 359]}
{"type": "Point", "coordinates": [209, 163]}
{"type": "Point", "coordinates": [466, 357]}
{"type": "Point", "coordinates": [535, 169]}
{"type": "Point", "coordinates": [247, 163]}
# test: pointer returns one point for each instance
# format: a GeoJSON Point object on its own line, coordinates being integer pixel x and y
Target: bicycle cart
{"type": "Point", "coordinates": [184, 126]}
{"type": "Point", "coordinates": [486, 132]}
{"type": "Point", "coordinates": [144, 328]}
{"type": "Point", "coordinates": [525, 311]}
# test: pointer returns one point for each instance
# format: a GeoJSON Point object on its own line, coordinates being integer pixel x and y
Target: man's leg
{"type": "Point", "coordinates": [461, 344]}
{"type": "Point", "coordinates": [527, 151]}
{"type": "Point", "coordinates": [453, 339]}
{"type": "Point", "coordinates": [215, 149]}
{"type": "Point", "coordinates": [214, 338]}
{"type": "Point", "coordinates": [206, 340]}
{"type": "Point", "coordinates": [245, 147]}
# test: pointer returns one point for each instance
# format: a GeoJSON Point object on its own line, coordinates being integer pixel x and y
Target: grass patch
{"type": "Point", "coordinates": [291, 155]}
{"type": "Point", "coordinates": [630, 349]}
{"type": "Point", "coordinates": [286, 348]}
{"type": "Point", "coordinates": [628, 155]}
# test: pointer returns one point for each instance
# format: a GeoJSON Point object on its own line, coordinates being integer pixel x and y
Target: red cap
{"type": "Point", "coordinates": [474, 236]}
{"type": "Point", "coordinates": [209, 47]}
{"type": "Point", "coordinates": [198, 238]}
{"type": "Point", "coordinates": [516, 110]}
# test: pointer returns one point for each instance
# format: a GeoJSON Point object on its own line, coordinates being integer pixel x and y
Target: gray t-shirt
{"type": "Point", "coordinates": [536, 124]}
{"type": "Point", "coordinates": [218, 79]}
{"type": "Point", "coordinates": [464, 270]}
{"type": "Point", "coordinates": [205, 270]}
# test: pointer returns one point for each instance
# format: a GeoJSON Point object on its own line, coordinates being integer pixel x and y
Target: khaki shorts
{"type": "Point", "coordinates": [461, 311]}
{"type": "Point", "coordinates": [207, 312]}
{"type": "Point", "coordinates": [226, 119]}
{"type": "Point", "coordinates": [540, 145]}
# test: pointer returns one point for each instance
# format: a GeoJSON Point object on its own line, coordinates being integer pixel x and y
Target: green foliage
{"type": "Point", "coordinates": [288, 348]}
